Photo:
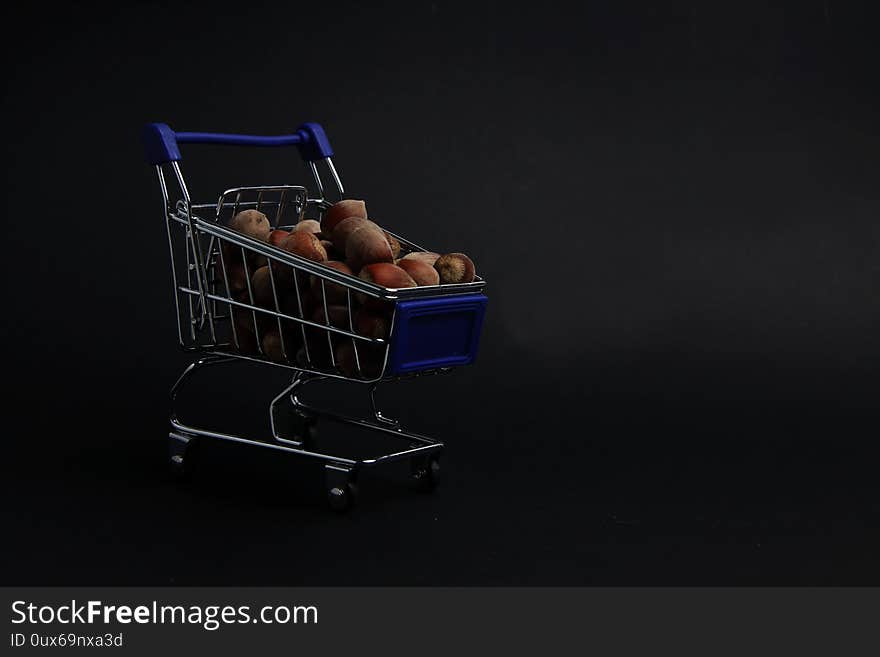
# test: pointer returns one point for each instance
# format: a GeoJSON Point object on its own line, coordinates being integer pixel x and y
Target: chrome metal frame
{"type": "Point", "coordinates": [209, 320]}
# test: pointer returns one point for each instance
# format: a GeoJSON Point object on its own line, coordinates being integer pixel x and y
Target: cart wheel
{"type": "Point", "coordinates": [181, 469]}
{"type": "Point", "coordinates": [305, 428]}
{"type": "Point", "coordinates": [182, 452]}
{"type": "Point", "coordinates": [341, 489]}
{"type": "Point", "coordinates": [309, 434]}
{"type": "Point", "coordinates": [426, 473]}
{"type": "Point", "coordinates": [343, 497]}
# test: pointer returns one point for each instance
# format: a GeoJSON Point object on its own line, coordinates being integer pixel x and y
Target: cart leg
{"type": "Point", "coordinates": [341, 488]}
{"type": "Point", "coordinates": [182, 452]}
{"type": "Point", "coordinates": [303, 422]}
{"type": "Point", "coordinates": [426, 472]}
{"type": "Point", "coordinates": [193, 367]}
{"type": "Point", "coordinates": [181, 444]}
{"type": "Point", "coordinates": [380, 418]}
{"type": "Point", "coordinates": [305, 427]}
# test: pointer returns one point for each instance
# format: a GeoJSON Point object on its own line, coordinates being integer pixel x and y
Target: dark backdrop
{"type": "Point", "coordinates": [675, 207]}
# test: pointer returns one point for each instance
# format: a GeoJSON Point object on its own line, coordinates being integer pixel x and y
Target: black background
{"type": "Point", "coordinates": [676, 209]}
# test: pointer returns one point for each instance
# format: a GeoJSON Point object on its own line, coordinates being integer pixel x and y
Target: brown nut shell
{"type": "Point", "coordinates": [386, 274]}
{"type": "Point", "coordinates": [337, 315]}
{"type": "Point", "coordinates": [272, 347]}
{"type": "Point", "coordinates": [261, 284]}
{"type": "Point", "coordinates": [420, 271]}
{"type": "Point", "coordinates": [308, 225]}
{"type": "Point", "coordinates": [345, 228]}
{"type": "Point", "coordinates": [372, 324]}
{"type": "Point", "coordinates": [335, 292]}
{"type": "Point", "coordinates": [342, 210]}
{"type": "Point", "coordinates": [426, 256]}
{"type": "Point", "coordinates": [367, 245]}
{"type": "Point", "coordinates": [277, 236]}
{"type": "Point", "coordinates": [253, 223]}
{"type": "Point", "coordinates": [236, 277]}
{"type": "Point", "coordinates": [306, 245]}
{"type": "Point", "coordinates": [455, 268]}
{"type": "Point", "coordinates": [393, 243]}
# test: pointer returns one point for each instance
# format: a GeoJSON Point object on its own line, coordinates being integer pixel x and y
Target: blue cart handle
{"type": "Point", "coordinates": [160, 142]}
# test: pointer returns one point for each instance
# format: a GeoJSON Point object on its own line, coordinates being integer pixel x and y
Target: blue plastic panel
{"type": "Point", "coordinates": [436, 332]}
{"type": "Point", "coordinates": [314, 145]}
{"type": "Point", "coordinates": [160, 144]}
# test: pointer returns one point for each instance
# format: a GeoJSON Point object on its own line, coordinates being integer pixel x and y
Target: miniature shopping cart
{"type": "Point", "coordinates": [432, 328]}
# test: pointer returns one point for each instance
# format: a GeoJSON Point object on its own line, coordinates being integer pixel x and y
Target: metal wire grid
{"type": "Point", "coordinates": [216, 314]}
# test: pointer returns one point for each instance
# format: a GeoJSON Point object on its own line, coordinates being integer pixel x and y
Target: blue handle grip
{"type": "Point", "coordinates": [160, 142]}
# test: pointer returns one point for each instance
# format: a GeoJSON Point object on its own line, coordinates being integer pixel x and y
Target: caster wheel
{"type": "Point", "coordinates": [343, 497]}
{"type": "Point", "coordinates": [426, 474]}
{"type": "Point", "coordinates": [305, 429]}
{"type": "Point", "coordinates": [182, 462]}
{"type": "Point", "coordinates": [309, 434]}
{"type": "Point", "coordinates": [181, 469]}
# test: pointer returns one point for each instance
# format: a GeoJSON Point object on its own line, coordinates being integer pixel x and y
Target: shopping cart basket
{"type": "Point", "coordinates": [223, 319]}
